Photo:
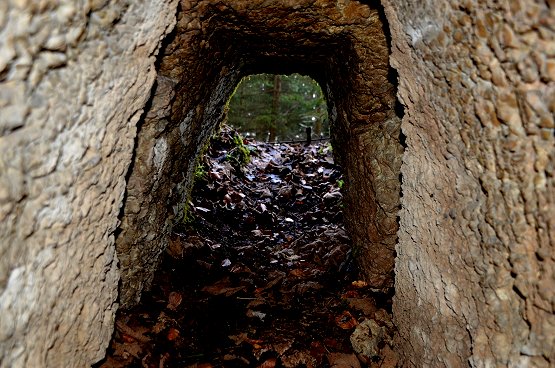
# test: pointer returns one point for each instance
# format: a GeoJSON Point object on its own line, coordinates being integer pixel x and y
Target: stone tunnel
{"type": "Point", "coordinates": [442, 113]}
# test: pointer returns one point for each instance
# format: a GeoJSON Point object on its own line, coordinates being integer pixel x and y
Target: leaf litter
{"type": "Point", "coordinates": [262, 276]}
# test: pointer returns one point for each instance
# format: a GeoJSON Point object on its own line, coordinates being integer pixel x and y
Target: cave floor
{"type": "Point", "coordinates": [260, 274]}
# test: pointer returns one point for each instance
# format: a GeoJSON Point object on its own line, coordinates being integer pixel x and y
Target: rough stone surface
{"type": "Point", "coordinates": [475, 273]}
{"type": "Point", "coordinates": [213, 46]}
{"type": "Point", "coordinates": [74, 76]}
{"type": "Point", "coordinates": [475, 267]}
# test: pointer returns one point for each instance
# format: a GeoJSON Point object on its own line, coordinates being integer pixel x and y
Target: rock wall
{"type": "Point", "coordinates": [475, 282]}
{"type": "Point", "coordinates": [212, 47]}
{"type": "Point", "coordinates": [74, 77]}
{"type": "Point", "coordinates": [475, 273]}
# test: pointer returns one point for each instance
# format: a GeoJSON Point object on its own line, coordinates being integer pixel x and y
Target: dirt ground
{"type": "Point", "coordinates": [261, 272]}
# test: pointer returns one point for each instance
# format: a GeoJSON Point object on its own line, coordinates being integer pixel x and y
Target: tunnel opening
{"type": "Point", "coordinates": [229, 41]}
{"type": "Point", "coordinates": [279, 108]}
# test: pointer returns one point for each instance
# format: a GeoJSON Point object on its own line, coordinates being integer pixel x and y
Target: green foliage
{"type": "Point", "coordinates": [340, 183]}
{"type": "Point", "coordinates": [281, 106]}
{"type": "Point", "coordinates": [239, 155]}
{"type": "Point", "coordinates": [325, 149]}
{"type": "Point", "coordinates": [200, 172]}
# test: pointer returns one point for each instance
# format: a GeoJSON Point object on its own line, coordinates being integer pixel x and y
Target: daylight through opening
{"type": "Point", "coordinates": [274, 107]}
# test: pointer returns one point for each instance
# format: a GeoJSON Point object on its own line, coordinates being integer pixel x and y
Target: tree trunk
{"type": "Point", "coordinates": [276, 93]}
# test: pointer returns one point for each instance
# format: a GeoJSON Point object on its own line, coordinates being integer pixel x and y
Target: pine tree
{"type": "Point", "coordinates": [278, 107]}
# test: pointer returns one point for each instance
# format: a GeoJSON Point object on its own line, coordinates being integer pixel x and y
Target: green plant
{"type": "Point", "coordinates": [200, 173]}
{"type": "Point", "coordinates": [340, 183]}
{"type": "Point", "coordinates": [239, 155]}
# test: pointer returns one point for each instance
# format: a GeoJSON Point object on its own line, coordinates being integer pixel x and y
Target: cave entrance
{"type": "Point", "coordinates": [343, 46]}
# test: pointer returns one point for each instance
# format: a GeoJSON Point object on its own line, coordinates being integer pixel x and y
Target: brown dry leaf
{"type": "Point", "coordinates": [222, 287]}
{"type": "Point", "coordinates": [163, 360]}
{"type": "Point", "coordinates": [346, 321]}
{"type": "Point", "coordinates": [240, 268]}
{"type": "Point", "coordinates": [351, 294]}
{"type": "Point", "coordinates": [298, 272]}
{"type": "Point", "coordinates": [243, 337]}
{"type": "Point", "coordinates": [177, 247]}
{"type": "Point", "coordinates": [136, 333]}
{"type": "Point", "coordinates": [214, 175]}
{"type": "Point", "coordinates": [338, 360]}
{"type": "Point", "coordinates": [161, 323]}
{"type": "Point", "coordinates": [365, 305]}
{"type": "Point", "coordinates": [270, 363]}
{"type": "Point", "coordinates": [303, 287]}
{"type": "Point", "coordinates": [256, 303]}
{"type": "Point", "coordinates": [174, 300]}
{"type": "Point", "coordinates": [236, 197]}
{"type": "Point", "coordinates": [318, 350]}
{"type": "Point", "coordinates": [128, 339]}
{"type": "Point", "coordinates": [278, 277]}
{"type": "Point", "coordinates": [173, 334]}
{"type": "Point", "coordinates": [230, 357]}
{"type": "Point", "coordinates": [359, 284]}
{"type": "Point", "coordinates": [282, 347]}
{"type": "Point", "coordinates": [127, 350]}
{"type": "Point", "coordinates": [299, 358]}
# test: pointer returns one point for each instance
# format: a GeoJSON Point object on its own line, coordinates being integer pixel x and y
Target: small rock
{"type": "Point", "coordinates": [366, 337]}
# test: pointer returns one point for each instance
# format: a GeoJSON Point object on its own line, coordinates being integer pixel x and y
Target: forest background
{"type": "Point", "coordinates": [273, 108]}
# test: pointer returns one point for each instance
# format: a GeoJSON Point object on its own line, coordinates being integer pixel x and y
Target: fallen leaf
{"type": "Point", "coordinates": [359, 284]}
{"type": "Point", "coordinates": [222, 287]}
{"type": "Point", "coordinates": [214, 175]}
{"type": "Point", "coordinates": [303, 287]}
{"type": "Point", "coordinates": [226, 262]}
{"type": "Point", "coordinates": [339, 360]}
{"type": "Point", "coordinates": [317, 350]}
{"type": "Point", "coordinates": [365, 305]}
{"type": "Point", "coordinates": [236, 197]}
{"type": "Point", "coordinates": [282, 347]}
{"type": "Point", "coordinates": [202, 209]}
{"type": "Point", "coordinates": [136, 333]}
{"type": "Point", "coordinates": [297, 359]}
{"type": "Point", "coordinates": [346, 321]}
{"type": "Point", "coordinates": [256, 314]}
{"type": "Point", "coordinates": [350, 294]}
{"type": "Point", "coordinates": [270, 363]}
{"type": "Point", "coordinates": [231, 357]}
{"type": "Point", "coordinates": [174, 300]}
{"type": "Point", "coordinates": [161, 323]}
{"type": "Point", "coordinates": [297, 272]}
{"type": "Point", "coordinates": [128, 339]}
{"type": "Point", "coordinates": [256, 303]}
{"type": "Point", "coordinates": [243, 337]}
{"type": "Point", "coordinates": [173, 334]}
{"type": "Point", "coordinates": [332, 196]}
